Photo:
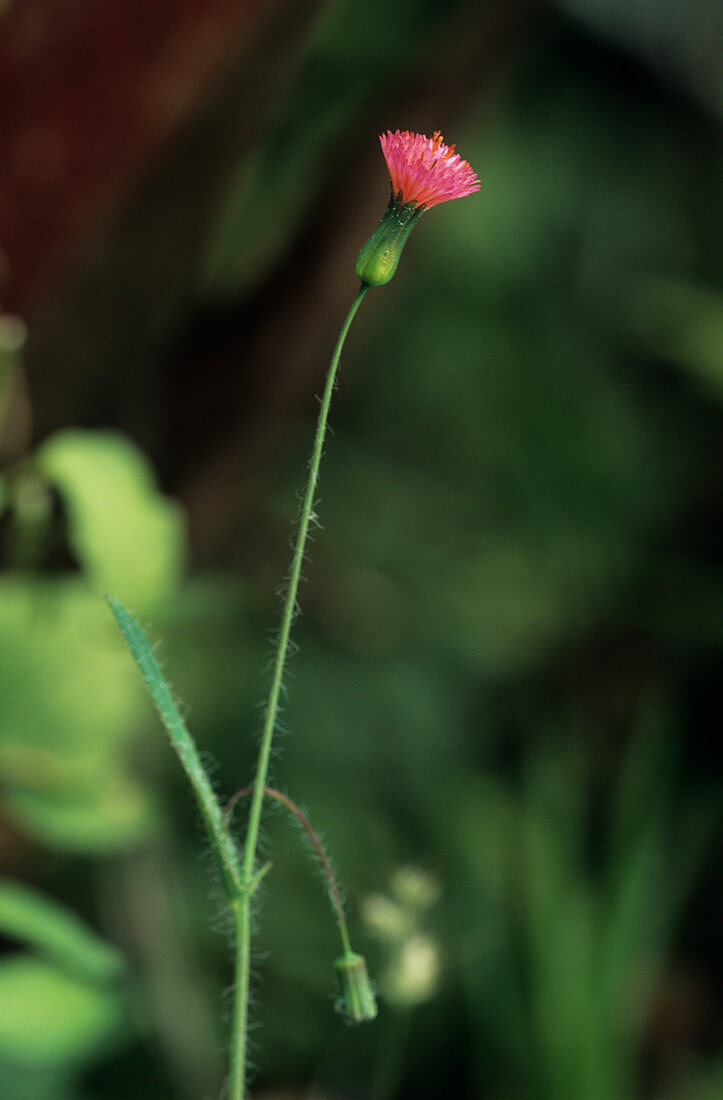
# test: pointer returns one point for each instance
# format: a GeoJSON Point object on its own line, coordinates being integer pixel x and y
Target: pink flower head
{"type": "Point", "coordinates": [425, 170]}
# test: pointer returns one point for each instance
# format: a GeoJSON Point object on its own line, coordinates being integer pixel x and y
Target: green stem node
{"type": "Point", "coordinates": [334, 894]}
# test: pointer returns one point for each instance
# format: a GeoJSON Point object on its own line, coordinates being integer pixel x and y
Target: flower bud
{"type": "Point", "coordinates": [357, 1002]}
{"type": "Point", "coordinates": [378, 259]}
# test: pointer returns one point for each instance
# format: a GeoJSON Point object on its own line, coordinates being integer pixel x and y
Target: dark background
{"type": "Point", "coordinates": [504, 713]}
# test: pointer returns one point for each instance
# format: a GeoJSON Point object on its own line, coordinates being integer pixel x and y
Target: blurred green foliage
{"type": "Point", "coordinates": [64, 739]}
{"type": "Point", "coordinates": [509, 653]}
{"type": "Point", "coordinates": [61, 1001]}
{"type": "Point", "coordinates": [70, 708]}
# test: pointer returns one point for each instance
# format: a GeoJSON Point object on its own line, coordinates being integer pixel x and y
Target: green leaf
{"type": "Point", "coordinates": [128, 538]}
{"type": "Point", "coordinates": [184, 745]}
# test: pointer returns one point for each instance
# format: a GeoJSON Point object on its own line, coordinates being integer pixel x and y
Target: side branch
{"type": "Point", "coordinates": [334, 894]}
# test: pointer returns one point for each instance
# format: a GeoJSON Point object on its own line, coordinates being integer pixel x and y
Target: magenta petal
{"type": "Point", "coordinates": [425, 170]}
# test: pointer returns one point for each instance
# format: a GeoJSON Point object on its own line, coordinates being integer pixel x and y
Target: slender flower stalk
{"type": "Point", "coordinates": [242, 906]}
{"type": "Point", "coordinates": [289, 609]}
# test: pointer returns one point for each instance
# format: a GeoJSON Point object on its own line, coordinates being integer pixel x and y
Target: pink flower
{"type": "Point", "coordinates": [424, 170]}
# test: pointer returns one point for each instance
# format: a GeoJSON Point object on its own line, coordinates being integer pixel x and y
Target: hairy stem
{"type": "Point", "coordinates": [242, 908]}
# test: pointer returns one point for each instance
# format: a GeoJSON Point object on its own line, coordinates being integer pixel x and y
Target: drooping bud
{"type": "Point", "coordinates": [357, 1003]}
{"type": "Point", "coordinates": [378, 259]}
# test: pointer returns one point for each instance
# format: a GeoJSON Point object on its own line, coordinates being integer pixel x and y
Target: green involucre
{"type": "Point", "coordinates": [378, 259]}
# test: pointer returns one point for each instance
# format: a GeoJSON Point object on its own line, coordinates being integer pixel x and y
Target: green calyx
{"type": "Point", "coordinates": [378, 259]}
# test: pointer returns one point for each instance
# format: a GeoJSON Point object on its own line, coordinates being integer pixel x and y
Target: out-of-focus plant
{"type": "Point", "coordinates": [573, 910]}
{"type": "Point", "coordinates": [412, 963]}
{"type": "Point", "coordinates": [62, 1001]}
{"type": "Point", "coordinates": [62, 749]}
{"type": "Point", "coordinates": [424, 172]}
{"type": "Point", "coordinates": [78, 514]}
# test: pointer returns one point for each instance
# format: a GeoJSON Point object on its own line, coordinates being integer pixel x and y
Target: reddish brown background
{"type": "Point", "coordinates": [86, 91]}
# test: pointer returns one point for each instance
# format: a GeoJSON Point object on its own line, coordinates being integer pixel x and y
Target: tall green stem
{"type": "Point", "coordinates": [242, 909]}
{"type": "Point", "coordinates": [287, 616]}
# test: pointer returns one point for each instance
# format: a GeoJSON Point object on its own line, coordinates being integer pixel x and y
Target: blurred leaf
{"type": "Point", "coordinates": [70, 704]}
{"type": "Point", "coordinates": [128, 538]}
{"type": "Point", "coordinates": [98, 818]}
{"type": "Point", "coordinates": [49, 1018]}
{"type": "Point", "coordinates": [56, 933]}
